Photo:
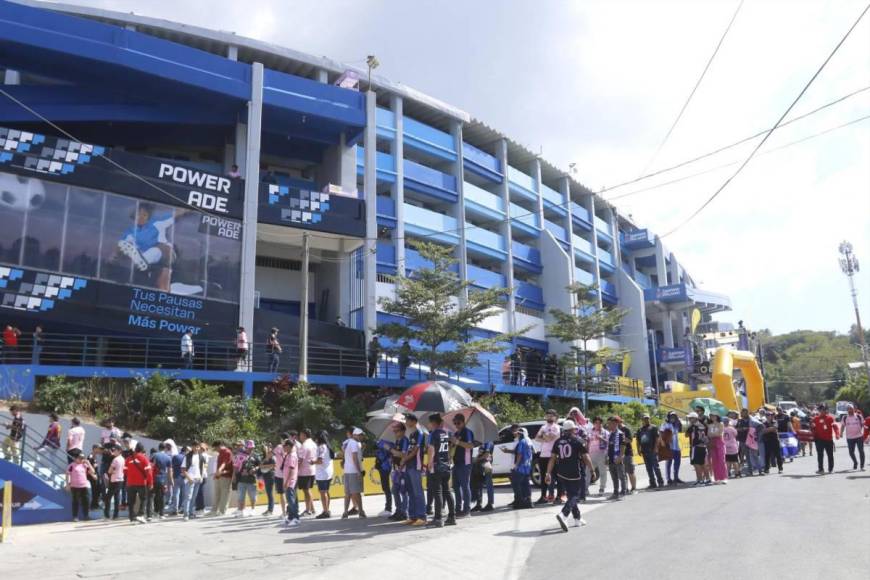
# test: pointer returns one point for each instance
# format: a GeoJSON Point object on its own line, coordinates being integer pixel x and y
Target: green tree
{"type": "Point", "coordinates": [855, 391]}
{"type": "Point", "coordinates": [587, 323]}
{"type": "Point", "coordinates": [435, 317]}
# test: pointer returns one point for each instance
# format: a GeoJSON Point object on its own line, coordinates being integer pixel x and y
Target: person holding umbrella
{"type": "Point", "coordinates": [463, 443]}
{"type": "Point", "coordinates": [412, 461]}
{"type": "Point", "coordinates": [400, 491]}
{"type": "Point", "coordinates": [439, 470]}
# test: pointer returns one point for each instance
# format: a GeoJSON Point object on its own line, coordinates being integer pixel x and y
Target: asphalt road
{"type": "Point", "coordinates": [794, 525]}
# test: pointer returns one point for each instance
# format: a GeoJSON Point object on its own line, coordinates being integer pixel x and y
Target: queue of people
{"type": "Point", "coordinates": [573, 455]}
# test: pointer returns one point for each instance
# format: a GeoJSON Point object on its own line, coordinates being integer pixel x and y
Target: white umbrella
{"type": "Point", "coordinates": [479, 420]}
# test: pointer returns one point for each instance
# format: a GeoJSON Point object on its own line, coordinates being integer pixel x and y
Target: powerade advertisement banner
{"type": "Point", "coordinates": [102, 168]}
{"type": "Point", "coordinates": [325, 211]}
{"type": "Point", "coordinates": [111, 262]}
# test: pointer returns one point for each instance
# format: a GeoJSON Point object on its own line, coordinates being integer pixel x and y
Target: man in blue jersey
{"type": "Point", "coordinates": [400, 492]}
{"type": "Point", "coordinates": [481, 478]}
{"type": "Point", "coordinates": [571, 460]}
{"type": "Point", "coordinates": [147, 243]}
{"type": "Point", "coordinates": [384, 467]}
{"type": "Point", "coordinates": [616, 457]}
{"type": "Point", "coordinates": [522, 469]}
{"type": "Point", "coordinates": [463, 442]}
{"type": "Point", "coordinates": [413, 463]}
{"type": "Point", "coordinates": [439, 470]}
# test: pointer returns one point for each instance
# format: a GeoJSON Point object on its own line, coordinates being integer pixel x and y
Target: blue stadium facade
{"type": "Point", "coordinates": [121, 214]}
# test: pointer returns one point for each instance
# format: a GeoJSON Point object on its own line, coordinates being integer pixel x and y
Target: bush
{"type": "Point", "coordinates": [59, 395]}
{"type": "Point", "coordinates": [301, 406]}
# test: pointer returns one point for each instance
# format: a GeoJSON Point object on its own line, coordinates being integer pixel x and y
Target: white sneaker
{"type": "Point", "coordinates": [385, 514]}
{"type": "Point", "coordinates": [563, 521]}
{"type": "Point", "coordinates": [238, 514]}
{"type": "Point", "coordinates": [293, 523]}
{"type": "Point", "coordinates": [249, 513]}
{"type": "Point", "coordinates": [141, 520]}
{"type": "Point", "coordinates": [579, 522]}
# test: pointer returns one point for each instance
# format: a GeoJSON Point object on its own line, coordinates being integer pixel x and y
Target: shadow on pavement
{"type": "Point", "coordinates": [531, 533]}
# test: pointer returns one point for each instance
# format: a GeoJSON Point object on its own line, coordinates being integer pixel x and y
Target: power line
{"type": "Point", "coordinates": [72, 137]}
{"type": "Point", "coordinates": [735, 144]}
{"type": "Point", "coordinates": [718, 167]}
{"type": "Point", "coordinates": [488, 223]}
{"type": "Point", "coordinates": [694, 89]}
{"type": "Point", "coordinates": [772, 129]}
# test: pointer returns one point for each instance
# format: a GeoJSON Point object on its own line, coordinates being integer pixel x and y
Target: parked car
{"type": "Point", "coordinates": [503, 453]}
{"type": "Point", "coordinates": [840, 409]}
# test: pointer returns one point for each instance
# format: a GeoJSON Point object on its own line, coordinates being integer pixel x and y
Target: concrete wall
{"type": "Point", "coordinates": [558, 268]}
{"type": "Point", "coordinates": [634, 331]}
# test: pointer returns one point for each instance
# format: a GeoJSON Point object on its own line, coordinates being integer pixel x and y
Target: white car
{"type": "Point", "coordinates": [503, 452]}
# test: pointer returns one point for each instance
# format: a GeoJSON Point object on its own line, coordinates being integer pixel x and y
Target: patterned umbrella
{"type": "Point", "coordinates": [434, 397]}
{"type": "Point", "coordinates": [383, 405]}
{"type": "Point", "coordinates": [479, 420]}
{"type": "Point", "coordinates": [381, 425]}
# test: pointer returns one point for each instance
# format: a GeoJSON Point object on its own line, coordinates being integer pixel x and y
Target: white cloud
{"type": "Point", "coordinates": [599, 83]}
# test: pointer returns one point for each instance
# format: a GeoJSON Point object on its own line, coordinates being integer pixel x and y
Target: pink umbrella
{"type": "Point", "coordinates": [479, 420]}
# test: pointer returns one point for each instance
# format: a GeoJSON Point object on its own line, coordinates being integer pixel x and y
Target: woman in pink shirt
{"type": "Point", "coordinates": [290, 473]}
{"type": "Point", "coordinates": [77, 475]}
{"type": "Point", "coordinates": [853, 428]}
{"type": "Point", "coordinates": [732, 448]}
{"type": "Point", "coordinates": [597, 438]}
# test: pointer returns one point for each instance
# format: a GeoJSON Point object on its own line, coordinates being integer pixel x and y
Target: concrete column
{"type": "Point", "coordinates": [593, 241]}
{"type": "Point", "coordinates": [370, 312]}
{"type": "Point", "coordinates": [613, 220]}
{"type": "Point", "coordinates": [668, 329]}
{"type": "Point", "coordinates": [459, 210]}
{"type": "Point", "coordinates": [240, 150]}
{"type": "Point", "coordinates": [252, 192]}
{"type": "Point", "coordinates": [568, 224]}
{"type": "Point", "coordinates": [233, 52]}
{"type": "Point", "coordinates": [322, 76]}
{"type": "Point", "coordinates": [397, 149]}
{"type": "Point", "coordinates": [536, 180]}
{"type": "Point", "coordinates": [661, 265]}
{"type": "Point", "coordinates": [505, 230]}
{"type": "Point", "coordinates": [674, 270]}
{"type": "Point", "coordinates": [11, 77]}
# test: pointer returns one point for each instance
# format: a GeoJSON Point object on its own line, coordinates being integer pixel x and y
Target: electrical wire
{"type": "Point", "coordinates": [694, 89]}
{"type": "Point", "coordinates": [724, 165]}
{"type": "Point", "coordinates": [72, 137]}
{"type": "Point", "coordinates": [735, 144]}
{"type": "Point", "coordinates": [771, 130]}
{"type": "Point", "coordinates": [488, 223]}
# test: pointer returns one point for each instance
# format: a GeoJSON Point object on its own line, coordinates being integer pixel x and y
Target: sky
{"type": "Point", "coordinates": [598, 83]}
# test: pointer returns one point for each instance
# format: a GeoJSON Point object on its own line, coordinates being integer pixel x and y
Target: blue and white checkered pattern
{"type": "Point", "coordinates": [61, 158]}
{"type": "Point", "coordinates": [40, 294]}
{"type": "Point", "coordinates": [299, 206]}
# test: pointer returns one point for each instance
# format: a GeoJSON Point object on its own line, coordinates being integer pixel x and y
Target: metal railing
{"type": "Point", "coordinates": [46, 463]}
{"type": "Point", "coordinates": [145, 352]}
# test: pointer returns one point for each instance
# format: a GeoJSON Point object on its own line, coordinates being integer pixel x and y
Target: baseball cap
{"type": "Point", "coordinates": [357, 431]}
{"type": "Point", "coordinates": [249, 444]}
{"type": "Point", "coordinates": [645, 417]}
{"type": "Point", "coordinates": [568, 425]}
{"type": "Point", "coordinates": [692, 415]}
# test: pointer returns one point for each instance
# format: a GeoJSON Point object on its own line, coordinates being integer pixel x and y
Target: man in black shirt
{"type": "Point", "coordinates": [742, 434]}
{"type": "Point", "coordinates": [439, 470]}
{"type": "Point", "coordinates": [629, 455]}
{"type": "Point", "coordinates": [647, 444]}
{"type": "Point", "coordinates": [571, 460]}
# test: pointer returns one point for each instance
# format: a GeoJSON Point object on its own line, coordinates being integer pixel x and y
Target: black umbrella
{"type": "Point", "coordinates": [383, 405]}
{"type": "Point", "coordinates": [434, 397]}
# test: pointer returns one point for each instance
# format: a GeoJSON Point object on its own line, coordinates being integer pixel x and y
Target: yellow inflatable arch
{"type": "Point", "coordinates": [725, 360]}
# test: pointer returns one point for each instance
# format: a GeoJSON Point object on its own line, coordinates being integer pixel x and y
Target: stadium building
{"type": "Point", "coordinates": [123, 223]}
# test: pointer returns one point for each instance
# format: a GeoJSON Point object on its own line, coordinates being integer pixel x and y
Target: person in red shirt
{"type": "Point", "coordinates": [140, 479]}
{"type": "Point", "coordinates": [823, 433]}
{"type": "Point", "coordinates": [10, 343]}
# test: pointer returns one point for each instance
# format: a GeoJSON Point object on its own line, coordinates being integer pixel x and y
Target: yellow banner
{"type": "Point", "coordinates": [371, 483]}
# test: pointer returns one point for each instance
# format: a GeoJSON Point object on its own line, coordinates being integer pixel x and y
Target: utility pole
{"type": "Point", "coordinates": [303, 312]}
{"type": "Point", "coordinates": [849, 266]}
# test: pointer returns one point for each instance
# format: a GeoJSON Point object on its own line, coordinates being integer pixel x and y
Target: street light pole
{"type": "Point", "coordinates": [303, 311]}
{"type": "Point", "coordinates": [849, 266]}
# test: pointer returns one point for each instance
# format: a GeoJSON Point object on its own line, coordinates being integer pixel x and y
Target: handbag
{"type": "Point", "coordinates": [663, 447]}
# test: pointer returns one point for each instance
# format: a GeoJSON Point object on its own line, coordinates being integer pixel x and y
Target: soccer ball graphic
{"type": "Point", "coordinates": [19, 193]}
